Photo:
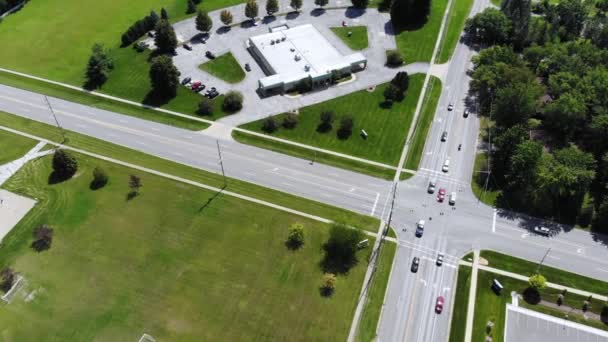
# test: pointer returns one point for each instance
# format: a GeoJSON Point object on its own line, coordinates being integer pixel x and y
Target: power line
{"type": "Point", "coordinates": [56, 121]}
{"type": "Point", "coordinates": [219, 152]}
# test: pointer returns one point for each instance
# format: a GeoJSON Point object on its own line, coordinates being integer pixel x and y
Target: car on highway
{"type": "Point", "coordinates": [186, 80]}
{"type": "Point", "coordinates": [452, 200]}
{"type": "Point", "coordinates": [415, 264]}
{"type": "Point", "coordinates": [439, 304]}
{"type": "Point", "coordinates": [441, 195]}
{"type": "Point", "coordinates": [450, 107]}
{"type": "Point", "coordinates": [543, 231]}
{"type": "Point", "coordinates": [466, 113]}
{"type": "Point", "coordinates": [420, 228]}
{"type": "Point", "coordinates": [187, 47]}
{"type": "Point", "coordinates": [439, 260]}
{"type": "Point", "coordinates": [444, 136]}
{"type": "Point", "coordinates": [432, 186]}
{"type": "Point", "coordinates": [446, 166]}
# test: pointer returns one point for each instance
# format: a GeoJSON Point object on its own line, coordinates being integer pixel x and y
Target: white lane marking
{"type": "Point", "coordinates": [525, 235]}
{"type": "Point", "coordinates": [554, 257]}
{"type": "Point", "coordinates": [188, 137]}
{"type": "Point", "coordinates": [375, 204]}
{"type": "Point", "coordinates": [155, 129]}
{"type": "Point", "coordinates": [423, 282]}
{"type": "Point", "coordinates": [580, 251]}
{"type": "Point", "coordinates": [177, 154]}
{"type": "Point", "coordinates": [286, 184]}
{"type": "Point", "coordinates": [494, 221]}
{"type": "Point", "coordinates": [249, 173]}
{"type": "Point", "coordinates": [81, 125]}
{"type": "Point", "coordinates": [122, 121]}
{"type": "Point", "coordinates": [601, 269]}
{"type": "Point", "coordinates": [275, 169]}
{"type": "Point", "coordinates": [112, 135]}
{"type": "Point", "coordinates": [141, 143]}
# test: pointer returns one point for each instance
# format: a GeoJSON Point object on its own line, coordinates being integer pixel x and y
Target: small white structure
{"type": "Point", "coordinates": [290, 55]}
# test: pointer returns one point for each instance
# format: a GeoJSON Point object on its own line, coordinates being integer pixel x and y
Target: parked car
{"type": "Point", "coordinates": [209, 55]}
{"type": "Point", "coordinates": [439, 261]}
{"type": "Point", "coordinates": [194, 85]}
{"type": "Point", "coordinates": [186, 80]}
{"type": "Point", "coordinates": [432, 186]}
{"type": "Point", "coordinates": [247, 67]}
{"type": "Point", "coordinates": [441, 195]}
{"type": "Point", "coordinates": [444, 136]}
{"type": "Point", "coordinates": [212, 93]}
{"type": "Point", "coordinates": [200, 88]}
{"type": "Point", "coordinates": [439, 304]}
{"type": "Point", "coordinates": [187, 47]}
{"type": "Point", "coordinates": [466, 113]}
{"type": "Point", "coordinates": [543, 231]}
{"type": "Point", "coordinates": [450, 107]}
{"type": "Point", "coordinates": [420, 228]}
{"type": "Point", "coordinates": [415, 264]}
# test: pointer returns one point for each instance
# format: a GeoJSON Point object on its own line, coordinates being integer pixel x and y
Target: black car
{"type": "Point", "coordinates": [209, 55]}
{"type": "Point", "coordinates": [213, 94]}
{"type": "Point", "coordinates": [200, 88]}
{"type": "Point", "coordinates": [186, 80]}
{"type": "Point", "coordinates": [187, 47]}
{"type": "Point", "coordinates": [415, 264]}
{"type": "Point", "coordinates": [466, 113]}
{"type": "Point", "coordinates": [247, 67]}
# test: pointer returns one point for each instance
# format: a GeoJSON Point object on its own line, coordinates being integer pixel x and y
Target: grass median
{"type": "Point", "coordinates": [138, 158]}
{"type": "Point", "coordinates": [458, 15]}
{"type": "Point", "coordinates": [13, 146]}
{"type": "Point", "coordinates": [177, 262]}
{"type": "Point", "coordinates": [461, 302]}
{"type": "Point", "coordinates": [224, 67]}
{"type": "Point", "coordinates": [357, 40]}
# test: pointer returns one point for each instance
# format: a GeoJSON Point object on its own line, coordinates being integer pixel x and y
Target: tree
{"type": "Point", "coordinates": [164, 77]}
{"type": "Point", "coordinates": [598, 131]}
{"type": "Point", "coordinates": [233, 101]}
{"type": "Point", "coordinates": [524, 165]}
{"type": "Point", "coordinates": [203, 21]}
{"type": "Point", "coordinates": [100, 178]}
{"type": "Point", "coordinates": [272, 7]}
{"type": "Point", "coordinates": [518, 11]}
{"type": "Point", "coordinates": [64, 165]}
{"type": "Point", "coordinates": [341, 248]}
{"type": "Point", "coordinates": [564, 116]}
{"type": "Point", "coordinates": [537, 282]}
{"type": "Point", "coordinates": [295, 238]}
{"type": "Point", "coordinates": [346, 127]}
{"type": "Point", "coordinates": [322, 3]}
{"type": "Point", "coordinates": [163, 14]}
{"type": "Point", "coordinates": [290, 121]}
{"type": "Point", "coordinates": [205, 107]}
{"type": "Point", "coordinates": [98, 67]}
{"type": "Point", "coordinates": [392, 93]}
{"type": "Point", "coordinates": [394, 58]}
{"type": "Point", "coordinates": [134, 185]}
{"type": "Point", "coordinates": [226, 17]}
{"type": "Point", "coordinates": [165, 38]}
{"type": "Point", "coordinates": [361, 4]}
{"type": "Point", "coordinates": [489, 27]}
{"type": "Point", "coordinates": [327, 119]}
{"type": "Point", "coordinates": [401, 81]}
{"type": "Point", "coordinates": [270, 125]}
{"type": "Point", "coordinates": [43, 237]}
{"type": "Point", "coordinates": [572, 15]}
{"type": "Point", "coordinates": [409, 13]}
{"type": "Point", "coordinates": [328, 284]}
{"type": "Point", "coordinates": [600, 221]}
{"type": "Point", "coordinates": [515, 104]}
{"type": "Point", "coordinates": [191, 8]}
{"type": "Point", "coordinates": [251, 9]}
{"type": "Point", "coordinates": [7, 279]}
{"type": "Point", "coordinates": [504, 146]}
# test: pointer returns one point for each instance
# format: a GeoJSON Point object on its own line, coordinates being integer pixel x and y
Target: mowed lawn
{"type": "Point", "coordinates": [224, 67]}
{"type": "Point", "coordinates": [13, 146]}
{"type": "Point", "coordinates": [417, 45]}
{"type": "Point", "coordinates": [459, 13]}
{"type": "Point", "coordinates": [176, 262]}
{"type": "Point", "coordinates": [358, 38]}
{"type": "Point", "coordinates": [386, 127]}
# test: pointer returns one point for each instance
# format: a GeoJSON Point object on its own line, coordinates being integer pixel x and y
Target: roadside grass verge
{"type": "Point", "coordinates": [425, 119]}
{"type": "Point", "coordinates": [101, 147]}
{"type": "Point", "coordinates": [98, 102]}
{"type": "Point", "coordinates": [311, 155]}
{"type": "Point", "coordinates": [460, 307]}
{"type": "Point", "coordinates": [479, 178]}
{"type": "Point", "coordinates": [459, 12]}
{"type": "Point", "coordinates": [13, 146]}
{"type": "Point", "coordinates": [357, 40]}
{"type": "Point", "coordinates": [386, 126]}
{"type": "Point", "coordinates": [375, 299]}
{"type": "Point", "coordinates": [553, 275]}
{"type": "Point", "coordinates": [176, 261]}
{"type": "Point", "coordinates": [573, 317]}
{"type": "Point", "coordinates": [417, 45]}
{"type": "Point", "coordinates": [224, 67]}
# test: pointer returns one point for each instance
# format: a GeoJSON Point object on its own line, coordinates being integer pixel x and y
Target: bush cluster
{"type": "Point", "coordinates": [139, 28]}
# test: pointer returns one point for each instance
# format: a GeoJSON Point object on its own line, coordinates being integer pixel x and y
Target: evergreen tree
{"type": "Point", "coordinates": [272, 7]}
{"type": "Point", "coordinates": [163, 14]}
{"type": "Point", "coordinates": [409, 13]}
{"type": "Point", "coordinates": [164, 77]}
{"type": "Point", "coordinates": [519, 13]}
{"type": "Point", "coordinates": [64, 164]}
{"type": "Point", "coordinates": [322, 3]}
{"type": "Point", "coordinates": [226, 17]}
{"type": "Point", "coordinates": [251, 9]}
{"type": "Point", "coordinates": [203, 21]}
{"type": "Point", "coordinates": [98, 67]}
{"type": "Point", "coordinates": [296, 4]}
{"type": "Point", "coordinates": [362, 4]}
{"type": "Point", "coordinates": [191, 8]}
{"type": "Point", "coordinates": [165, 38]}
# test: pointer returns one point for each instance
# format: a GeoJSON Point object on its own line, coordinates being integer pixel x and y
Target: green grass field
{"type": "Point", "coordinates": [358, 39]}
{"type": "Point", "coordinates": [128, 155]}
{"type": "Point", "coordinates": [459, 12]}
{"type": "Point", "coordinates": [478, 181]}
{"type": "Point", "coordinates": [178, 262]}
{"type": "Point", "coordinates": [98, 102]}
{"type": "Point", "coordinates": [417, 45]}
{"type": "Point", "coordinates": [387, 127]}
{"type": "Point", "coordinates": [460, 307]}
{"type": "Point", "coordinates": [425, 119]}
{"type": "Point", "coordinates": [554, 275]}
{"type": "Point", "coordinates": [224, 67]}
{"type": "Point", "coordinates": [13, 146]}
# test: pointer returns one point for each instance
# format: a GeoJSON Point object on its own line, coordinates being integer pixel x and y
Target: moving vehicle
{"type": "Point", "coordinates": [444, 136]}
{"type": "Point", "coordinates": [450, 107]}
{"type": "Point", "coordinates": [543, 231]}
{"type": "Point", "coordinates": [415, 264]}
{"type": "Point", "coordinates": [209, 55]}
{"type": "Point", "coordinates": [247, 67]}
{"type": "Point", "coordinates": [441, 195]}
{"type": "Point", "coordinates": [466, 113]}
{"type": "Point", "coordinates": [432, 186]}
{"type": "Point", "coordinates": [446, 165]}
{"type": "Point", "coordinates": [420, 228]}
{"type": "Point", "coordinates": [194, 85]}
{"type": "Point", "coordinates": [439, 261]}
{"type": "Point", "coordinates": [186, 80]}
{"type": "Point", "coordinates": [459, 147]}
{"type": "Point", "coordinates": [452, 200]}
{"type": "Point", "coordinates": [187, 47]}
{"type": "Point", "coordinates": [439, 304]}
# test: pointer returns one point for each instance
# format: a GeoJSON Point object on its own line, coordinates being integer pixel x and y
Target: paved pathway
{"type": "Point", "coordinates": [9, 169]}
{"type": "Point", "coordinates": [468, 334]}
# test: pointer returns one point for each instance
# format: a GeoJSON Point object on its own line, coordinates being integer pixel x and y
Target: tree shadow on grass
{"type": "Point", "coordinates": [325, 291]}
{"type": "Point", "coordinates": [153, 99]}
{"type": "Point", "coordinates": [131, 195]}
{"type": "Point", "coordinates": [531, 296]}
{"type": "Point", "coordinates": [324, 127]}
{"type": "Point", "coordinates": [337, 265]}
{"type": "Point", "coordinates": [56, 178]}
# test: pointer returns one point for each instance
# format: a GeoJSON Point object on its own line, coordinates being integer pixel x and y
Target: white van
{"type": "Point", "coordinates": [446, 166]}
{"type": "Point", "coordinates": [452, 198]}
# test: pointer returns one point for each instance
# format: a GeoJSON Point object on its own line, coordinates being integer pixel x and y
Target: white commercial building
{"type": "Point", "coordinates": [290, 56]}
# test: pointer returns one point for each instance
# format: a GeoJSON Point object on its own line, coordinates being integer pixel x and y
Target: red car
{"type": "Point", "coordinates": [441, 195]}
{"type": "Point", "coordinates": [439, 305]}
{"type": "Point", "coordinates": [195, 85]}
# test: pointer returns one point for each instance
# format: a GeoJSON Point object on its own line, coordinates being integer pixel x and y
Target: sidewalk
{"type": "Point", "coordinates": [472, 292]}
{"type": "Point", "coordinates": [9, 169]}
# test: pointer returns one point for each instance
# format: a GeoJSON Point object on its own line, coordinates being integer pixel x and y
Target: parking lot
{"type": "Point", "coordinates": [523, 325]}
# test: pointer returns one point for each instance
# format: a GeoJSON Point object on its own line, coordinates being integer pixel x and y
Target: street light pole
{"type": "Point", "coordinates": [219, 152]}
{"type": "Point", "coordinates": [56, 121]}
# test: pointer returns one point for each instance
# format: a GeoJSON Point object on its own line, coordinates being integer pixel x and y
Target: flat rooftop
{"type": "Point", "coordinates": [524, 325]}
{"type": "Point", "coordinates": [305, 42]}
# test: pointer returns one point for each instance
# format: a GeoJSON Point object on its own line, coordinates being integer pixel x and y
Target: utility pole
{"type": "Point", "coordinates": [542, 260]}
{"type": "Point", "coordinates": [56, 121]}
{"type": "Point", "coordinates": [219, 152]}
{"type": "Point", "coordinates": [488, 171]}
